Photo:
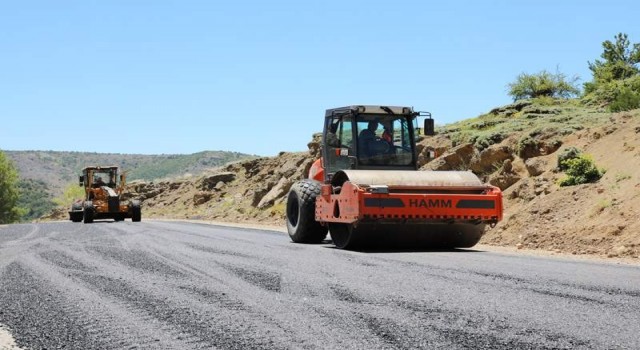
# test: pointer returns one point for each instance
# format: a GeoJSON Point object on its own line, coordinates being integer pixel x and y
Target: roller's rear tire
{"type": "Point", "coordinates": [301, 211]}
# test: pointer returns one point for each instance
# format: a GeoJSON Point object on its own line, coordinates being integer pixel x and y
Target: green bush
{"type": "Point", "coordinates": [566, 154]}
{"type": "Point", "coordinates": [619, 95]}
{"type": "Point", "coordinates": [625, 100]}
{"type": "Point", "coordinates": [71, 193]}
{"type": "Point", "coordinates": [543, 84]}
{"type": "Point", "coordinates": [525, 144]}
{"type": "Point", "coordinates": [484, 141]}
{"type": "Point", "coordinates": [580, 170]}
{"type": "Point", "coordinates": [460, 137]}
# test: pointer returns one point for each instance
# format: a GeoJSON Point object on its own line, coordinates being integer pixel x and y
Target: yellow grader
{"type": "Point", "coordinates": [103, 197]}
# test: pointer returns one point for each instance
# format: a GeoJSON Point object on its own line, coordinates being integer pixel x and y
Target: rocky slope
{"type": "Point", "coordinates": [246, 191]}
{"type": "Point", "coordinates": [598, 218]}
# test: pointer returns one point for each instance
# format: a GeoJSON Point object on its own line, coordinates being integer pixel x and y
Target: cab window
{"type": "Point", "coordinates": [339, 143]}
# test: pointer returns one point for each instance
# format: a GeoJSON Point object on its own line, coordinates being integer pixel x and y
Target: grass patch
{"type": "Point", "coordinates": [621, 177]}
{"type": "Point", "coordinates": [278, 209]}
{"type": "Point", "coordinates": [559, 117]}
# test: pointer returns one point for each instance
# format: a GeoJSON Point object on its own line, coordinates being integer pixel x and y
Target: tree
{"type": "Point", "coordinates": [35, 199]}
{"type": "Point", "coordinates": [620, 62]}
{"type": "Point", "coordinates": [71, 193]}
{"type": "Point", "coordinates": [543, 84]}
{"type": "Point", "coordinates": [9, 211]}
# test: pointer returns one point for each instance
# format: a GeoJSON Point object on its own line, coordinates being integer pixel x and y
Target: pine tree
{"type": "Point", "coordinates": [620, 60]}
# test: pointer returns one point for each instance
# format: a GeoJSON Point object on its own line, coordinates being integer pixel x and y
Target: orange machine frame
{"type": "Point", "coordinates": [354, 204]}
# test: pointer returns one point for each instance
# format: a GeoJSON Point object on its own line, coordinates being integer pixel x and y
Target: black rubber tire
{"type": "Point", "coordinates": [77, 216]}
{"type": "Point", "coordinates": [301, 211]}
{"type": "Point", "coordinates": [76, 212]}
{"type": "Point", "coordinates": [136, 211]}
{"type": "Point", "coordinates": [88, 212]}
{"type": "Point", "coordinates": [344, 236]}
{"type": "Point", "coordinates": [118, 218]}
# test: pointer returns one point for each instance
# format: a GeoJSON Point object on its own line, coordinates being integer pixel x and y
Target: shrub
{"type": "Point", "coordinates": [620, 95]}
{"type": "Point", "coordinates": [580, 170]}
{"type": "Point", "coordinates": [70, 194]}
{"type": "Point", "coordinates": [543, 84]}
{"type": "Point", "coordinates": [525, 144]}
{"type": "Point", "coordinates": [461, 137]}
{"type": "Point", "coordinates": [566, 154]}
{"type": "Point", "coordinates": [625, 100]}
{"type": "Point", "coordinates": [484, 141]}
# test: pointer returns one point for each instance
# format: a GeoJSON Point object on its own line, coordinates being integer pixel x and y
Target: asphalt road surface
{"type": "Point", "coordinates": [174, 285]}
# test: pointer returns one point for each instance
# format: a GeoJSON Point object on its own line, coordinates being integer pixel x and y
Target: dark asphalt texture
{"type": "Point", "coordinates": [174, 285]}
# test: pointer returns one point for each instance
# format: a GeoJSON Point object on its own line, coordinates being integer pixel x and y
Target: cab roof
{"type": "Point", "coordinates": [110, 167]}
{"type": "Point", "coordinates": [370, 109]}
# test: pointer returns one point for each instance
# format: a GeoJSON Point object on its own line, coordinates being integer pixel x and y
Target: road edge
{"type": "Point", "coordinates": [7, 342]}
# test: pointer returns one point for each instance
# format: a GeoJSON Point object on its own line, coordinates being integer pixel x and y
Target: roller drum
{"type": "Point", "coordinates": [407, 235]}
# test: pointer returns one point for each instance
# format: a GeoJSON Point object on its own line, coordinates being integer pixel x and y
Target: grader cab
{"type": "Point", "coordinates": [103, 197]}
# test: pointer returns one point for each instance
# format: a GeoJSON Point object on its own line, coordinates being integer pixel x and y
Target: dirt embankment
{"type": "Point", "coordinates": [598, 218]}
{"type": "Point", "coordinates": [248, 191]}
{"type": "Point", "coordinates": [590, 219]}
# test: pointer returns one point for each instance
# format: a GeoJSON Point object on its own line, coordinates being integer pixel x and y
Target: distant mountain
{"type": "Point", "coordinates": [58, 169]}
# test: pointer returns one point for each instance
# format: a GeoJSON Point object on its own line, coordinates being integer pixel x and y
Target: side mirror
{"type": "Point", "coordinates": [429, 127]}
{"type": "Point", "coordinates": [81, 179]}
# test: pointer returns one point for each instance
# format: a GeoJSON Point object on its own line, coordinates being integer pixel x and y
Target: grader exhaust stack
{"type": "Point", "coordinates": [366, 188]}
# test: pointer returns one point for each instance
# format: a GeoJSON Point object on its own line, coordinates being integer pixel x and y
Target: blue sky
{"type": "Point", "coordinates": [185, 76]}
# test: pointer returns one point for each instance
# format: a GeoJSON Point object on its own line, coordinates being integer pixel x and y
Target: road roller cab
{"type": "Point", "coordinates": [369, 138]}
{"type": "Point", "coordinates": [103, 197]}
{"type": "Point", "coordinates": [366, 188]}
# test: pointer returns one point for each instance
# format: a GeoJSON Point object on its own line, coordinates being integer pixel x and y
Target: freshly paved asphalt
{"type": "Point", "coordinates": [174, 285]}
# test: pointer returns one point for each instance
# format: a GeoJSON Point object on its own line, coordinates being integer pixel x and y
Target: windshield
{"type": "Point", "coordinates": [106, 177]}
{"type": "Point", "coordinates": [384, 140]}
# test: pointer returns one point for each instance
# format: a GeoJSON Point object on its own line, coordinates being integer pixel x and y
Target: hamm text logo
{"type": "Point", "coordinates": [430, 203]}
